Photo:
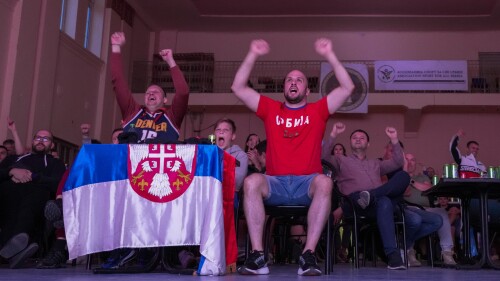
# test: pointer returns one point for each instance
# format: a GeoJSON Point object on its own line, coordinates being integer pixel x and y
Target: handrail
{"type": "Point", "coordinates": [66, 150]}
{"type": "Point", "coordinates": [209, 76]}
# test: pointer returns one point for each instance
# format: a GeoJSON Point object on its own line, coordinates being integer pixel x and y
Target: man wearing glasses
{"type": "Point", "coordinates": [25, 186]}
{"type": "Point", "coordinates": [294, 130]}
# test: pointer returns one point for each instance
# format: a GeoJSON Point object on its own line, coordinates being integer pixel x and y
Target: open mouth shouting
{"type": "Point", "coordinates": [151, 98]}
{"type": "Point", "coordinates": [221, 142]}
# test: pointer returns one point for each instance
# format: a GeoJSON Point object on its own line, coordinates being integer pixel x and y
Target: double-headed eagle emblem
{"type": "Point", "coordinates": [158, 167]}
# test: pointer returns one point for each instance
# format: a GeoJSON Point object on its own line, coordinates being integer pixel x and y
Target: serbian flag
{"type": "Point", "coordinates": [154, 195]}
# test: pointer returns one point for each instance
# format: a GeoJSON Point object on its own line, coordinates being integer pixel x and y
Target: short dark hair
{"type": "Point", "coordinates": [472, 142]}
{"type": "Point", "coordinates": [117, 130]}
{"type": "Point", "coordinates": [261, 147]}
{"type": "Point", "coordinates": [226, 120]}
{"type": "Point", "coordinates": [361, 131]}
{"type": "Point", "coordinates": [162, 90]}
{"type": "Point", "coordinates": [50, 133]}
{"type": "Point", "coordinates": [341, 145]}
{"type": "Point", "coordinates": [9, 141]}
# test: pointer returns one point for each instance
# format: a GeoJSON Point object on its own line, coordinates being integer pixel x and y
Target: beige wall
{"type": "Point", "coordinates": [8, 27]}
{"type": "Point", "coordinates": [54, 83]}
{"type": "Point", "coordinates": [76, 92]}
{"type": "Point", "coordinates": [437, 122]}
{"type": "Point", "coordinates": [354, 45]}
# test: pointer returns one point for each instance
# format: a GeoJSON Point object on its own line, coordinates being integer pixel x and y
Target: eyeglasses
{"type": "Point", "coordinates": [222, 130]}
{"type": "Point", "coordinates": [290, 135]}
{"type": "Point", "coordinates": [42, 139]}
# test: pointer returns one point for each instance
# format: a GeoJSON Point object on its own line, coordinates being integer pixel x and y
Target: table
{"type": "Point", "coordinates": [466, 189]}
{"type": "Point", "coordinates": [150, 195]}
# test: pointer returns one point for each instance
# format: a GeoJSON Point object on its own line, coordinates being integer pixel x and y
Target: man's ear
{"type": "Point", "coordinates": [52, 145]}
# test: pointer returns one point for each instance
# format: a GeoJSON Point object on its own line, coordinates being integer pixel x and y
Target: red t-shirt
{"type": "Point", "coordinates": [293, 136]}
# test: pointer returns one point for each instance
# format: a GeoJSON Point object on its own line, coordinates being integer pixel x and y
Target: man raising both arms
{"type": "Point", "coordinates": [294, 130]}
{"type": "Point", "coordinates": [152, 123]}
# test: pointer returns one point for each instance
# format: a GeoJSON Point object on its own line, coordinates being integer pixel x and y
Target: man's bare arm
{"type": "Point", "coordinates": [240, 84]}
{"type": "Point", "coordinates": [338, 95]}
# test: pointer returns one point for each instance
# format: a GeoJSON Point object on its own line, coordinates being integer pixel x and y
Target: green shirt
{"type": "Point", "coordinates": [416, 195]}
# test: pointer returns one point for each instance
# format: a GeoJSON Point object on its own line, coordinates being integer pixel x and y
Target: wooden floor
{"type": "Point", "coordinates": [277, 273]}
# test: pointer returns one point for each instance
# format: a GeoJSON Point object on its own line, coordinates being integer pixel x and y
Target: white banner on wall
{"type": "Point", "coordinates": [447, 75]}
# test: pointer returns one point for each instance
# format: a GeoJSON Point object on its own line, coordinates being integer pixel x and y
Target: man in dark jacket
{"type": "Point", "coordinates": [25, 186]}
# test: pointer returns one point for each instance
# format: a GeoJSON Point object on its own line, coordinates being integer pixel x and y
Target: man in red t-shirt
{"type": "Point", "coordinates": [294, 130]}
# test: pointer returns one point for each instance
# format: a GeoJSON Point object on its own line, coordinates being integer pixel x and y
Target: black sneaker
{"type": "Point", "coordinates": [15, 245]}
{"type": "Point", "coordinates": [18, 260]}
{"type": "Point", "coordinates": [308, 265]}
{"type": "Point", "coordinates": [53, 213]}
{"type": "Point", "coordinates": [395, 262]}
{"type": "Point", "coordinates": [118, 258]}
{"type": "Point", "coordinates": [56, 257]}
{"type": "Point", "coordinates": [255, 264]}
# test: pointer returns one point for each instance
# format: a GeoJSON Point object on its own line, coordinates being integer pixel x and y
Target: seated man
{"type": "Point", "coordinates": [360, 178]}
{"type": "Point", "coordinates": [25, 187]}
{"type": "Point", "coordinates": [471, 167]}
{"type": "Point", "coordinates": [431, 219]}
{"type": "Point", "coordinates": [294, 129]}
{"type": "Point", "coordinates": [468, 165]}
{"type": "Point", "coordinates": [58, 253]}
{"type": "Point", "coordinates": [418, 223]}
{"type": "Point", "coordinates": [454, 215]}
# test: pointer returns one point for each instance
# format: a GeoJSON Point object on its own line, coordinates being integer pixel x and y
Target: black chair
{"type": "Point", "coordinates": [290, 214]}
{"type": "Point", "coordinates": [361, 223]}
{"type": "Point", "coordinates": [287, 214]}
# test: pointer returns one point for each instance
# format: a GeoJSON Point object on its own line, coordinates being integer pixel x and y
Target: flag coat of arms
{"type": "Point", "coordinates": [137, 196]}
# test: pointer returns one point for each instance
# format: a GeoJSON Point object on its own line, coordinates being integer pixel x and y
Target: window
{"type": "Point", "coordinates": [63, 15]}
{"type": "Point", "coordinates": [88, 22]}
{"type": "Point", "coordinates": [94, 26]}
{"type": "Point", "coordinates": [83, 20]}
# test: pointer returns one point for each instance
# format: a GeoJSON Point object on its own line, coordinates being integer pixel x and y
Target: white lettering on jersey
{"type": "Point", "coordinates": [292, 122]}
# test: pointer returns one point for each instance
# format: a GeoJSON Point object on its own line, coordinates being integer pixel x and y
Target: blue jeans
{"type": "Point", "coordinates": [385, 199]}
{"type": "Point", "coordinates": [420, 223]}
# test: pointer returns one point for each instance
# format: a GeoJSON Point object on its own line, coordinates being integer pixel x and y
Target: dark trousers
{"type": "Point", "coordinates": [383, 202]}
{"type": "Point", "coordinates": [21, 209]}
